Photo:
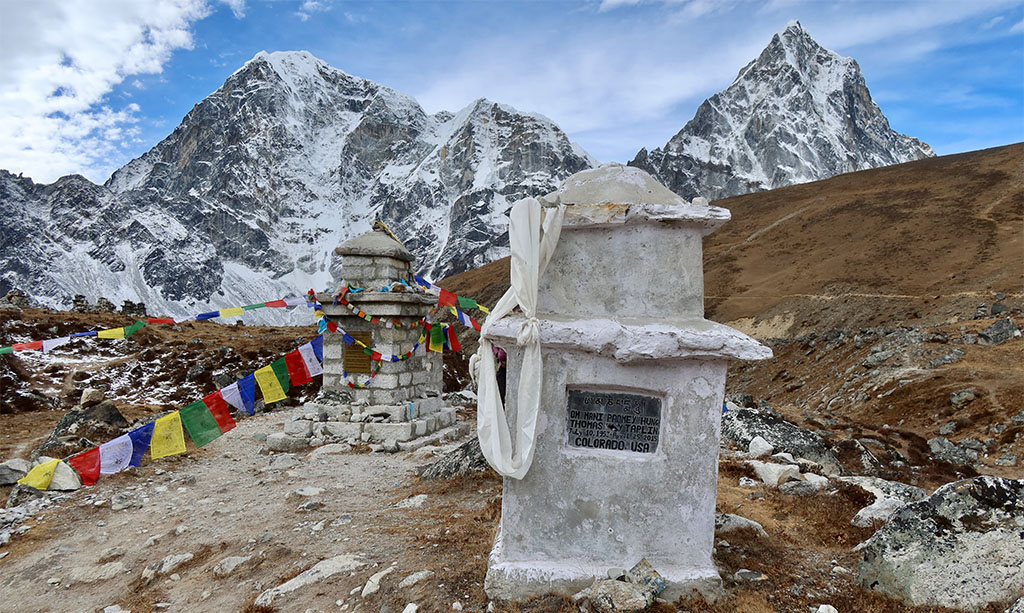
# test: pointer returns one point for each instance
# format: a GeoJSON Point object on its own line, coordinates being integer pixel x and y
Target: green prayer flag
{"type": "Point", "coordinates": [467, 303]}
{"type": "Point", "coordinates": [281, 372]}
{"type": "Point", "coordinates": [7, 349]}
{"type": "Point", "coordinates": [253, 306]}
{"type": "Point", "coordinates": [132, 329]}
{"type": "Point", "coordinates": [200, 423]}
{"type": "Point", "coordinates": [367, 351]}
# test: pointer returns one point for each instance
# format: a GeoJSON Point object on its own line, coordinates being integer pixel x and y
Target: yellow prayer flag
{"type": "Point", "coordinates": [233, 312]}
{"type": "Point", "coordinates": [168, 437]}
{"type": "Point", "coordinates": [272, 391]}
{"type": "Point", "coordinates": [39, 477]}
{"type": "Point", "coordinates": [112, 333]}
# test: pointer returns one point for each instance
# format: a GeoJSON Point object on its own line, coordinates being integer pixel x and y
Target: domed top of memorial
{"type": "Point", "coordinates": [614, 184]}
{"type": "Point", "coordinates": [375, 244]}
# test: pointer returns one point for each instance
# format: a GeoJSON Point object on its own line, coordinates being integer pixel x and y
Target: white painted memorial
{"type": "Point", "coordinates": [615, 389]}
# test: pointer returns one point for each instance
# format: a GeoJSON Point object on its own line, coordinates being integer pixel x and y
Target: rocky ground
{"type": "Point", "coordinates": [234, 527]}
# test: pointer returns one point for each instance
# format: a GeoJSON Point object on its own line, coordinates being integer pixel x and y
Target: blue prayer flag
{"type": "Point", "coordinates": [140, 443]}
{"type": "Point", "coordinates": [210, 315]}
{"type": "Point", "coordinates": [247, 389]}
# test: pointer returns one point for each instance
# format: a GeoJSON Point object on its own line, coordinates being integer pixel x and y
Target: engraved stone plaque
{"type": "Point", "coordinates": [613, 420]}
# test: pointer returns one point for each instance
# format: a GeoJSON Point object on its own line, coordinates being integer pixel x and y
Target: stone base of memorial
{"type": "Point", "coordinates": [630, 417]}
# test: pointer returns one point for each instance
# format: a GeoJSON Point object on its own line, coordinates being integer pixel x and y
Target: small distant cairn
{"type": "Point", "coordinates": [80, 305]}
{"type": "Point", "coordinates": [134, 309]}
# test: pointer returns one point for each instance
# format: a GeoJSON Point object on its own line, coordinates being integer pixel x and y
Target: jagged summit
{"type": "Point", "coordinates": [796, 113]}
{"type": "Point", "coordinates": [249, 195]}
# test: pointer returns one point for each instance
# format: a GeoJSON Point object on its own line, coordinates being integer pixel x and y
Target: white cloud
{"type": "Point", "coordinates": [311, 7]}
{"type": "Point", "coordinates": [237, 7]}
{"type": "Point", "coordinates": [61, 60]}
{"type": "Point", "coordinates": [991, 23]}
{"type": "Point", "coordinates": [1017, 27]}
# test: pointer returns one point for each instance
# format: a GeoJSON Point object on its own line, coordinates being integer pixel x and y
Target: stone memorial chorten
{"type": "Point", "coordinates": [402, 403]}
{"type": "Point", "coordinates": [625, 462]}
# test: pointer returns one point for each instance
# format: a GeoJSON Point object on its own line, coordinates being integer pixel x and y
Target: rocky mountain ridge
{"type": "Point", "coordinates": [248, 196]}
{"type": "Point", "coordinates": [797, 113]}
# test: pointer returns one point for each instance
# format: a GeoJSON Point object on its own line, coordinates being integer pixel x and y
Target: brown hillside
{"type": "Point", "coordinates": [915, 244]}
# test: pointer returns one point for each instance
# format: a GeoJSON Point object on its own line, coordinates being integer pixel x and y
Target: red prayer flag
{"type": "Point", "coordinates": [375, 356]}
{"type": "Point", "coordinates": [219, 410]}
{"type": "Point", "coordinates": [332, 326]}
{"type": "Point", "coordinates": [297, 370]}
{"type": "Point", "coordinates": [446, 298]}
{"type": "Point", "coordinates": [276, 303]}
{"type": "Point", "coordinates": [27, 346]}
{"type": "Point", "coordinates": [454, 342]}
{"type": "Point", "coordinates": [87, 465]}
{"type": "Point", "coordinates": [159, 320]}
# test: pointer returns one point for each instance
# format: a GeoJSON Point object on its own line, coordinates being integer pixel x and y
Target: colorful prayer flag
{"type": "Point", "coordinates": [112, 333]}
{"type": "Point", "coordinates": [446, 298]}
{"type": "Point", "coordinates": [298, 374]}
{"type": "Point", "coordinates": [295, 301]}
{"type": "Point", "coordinates": [276, 303]}
{"type": "Point", "coordinates": [135, 327]}
{"type": "Point", "coordinates": [466, 303]}
{"type": "Point", "coordinates": [115, 455]}
{"type": "Point", "coordinates": [332, 326]}
{"type": "Point", "coordinates": [140, 442]}
{"type": "Point", "coordinates": [436, 338]}
{"type": "Point", "coordinates": [160, 320]}
{"type": "Point", "coordinates": [452, 339]}
{"type": "Point", "coordinates": [232, 312]}
{"type": "Point", "coordinates": [40, 475]}
{"type": "Point", "coordinates": [27, 346]}
{"type": "Point", "coordinates": [209, 315]}
{"type": "Point", "coordinates": [375, 356]}
{"type": "Point", "coordinates": [7, 349]}
{"type": "Point", "coordinates": [272, 390]}
{"type": "Point", "coordinates": [281, 372]}
{"type": "Point", "coordinates": [200, 423]}
{"type": "Point", "coordinates": [53, 343]}
{"type": "Point", "coordinates": [87, 465]}
{"type": "Point", "coordinates": [168, 437]}
{"type": "Point", "coordinates": [250, 307]}
{"type": "Point", "coordinates": [313, 365]}
{"type": "Point", "coordinates": [219, 410]}
{"type": "Point", "coordinates": [318, 347]}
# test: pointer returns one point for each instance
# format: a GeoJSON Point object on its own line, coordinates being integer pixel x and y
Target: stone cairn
{"type": "Point", "coordinates": [402, 407]}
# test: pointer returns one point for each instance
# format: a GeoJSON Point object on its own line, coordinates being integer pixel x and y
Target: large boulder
{"type": "Point", "coordinates": [961, 547]}
{"type": "Point", "coordinates": [741, 426]}
{"type": "Point", "coordinates": [890, 496]}
{"type": "Point", "coordinates": [12, 470]}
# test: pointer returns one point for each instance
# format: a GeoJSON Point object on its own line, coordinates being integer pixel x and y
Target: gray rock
{"type": "Point", "coordinates": [90, 397]}
{"type": "Point", "coordinates": [1017, 607]}
{"type": "Point", "coordinates": [998, 308]}
{"type": "Point", "coordinates": [744, 575]}
{"type": "Point", "coordinates": [740, 426]}
{"type": "Point", "coordinates": [958, 548]}
{"type": "Point", "coordinates": [946, 359]}
{"type": "Point", "coordinates": [466, 459]}
{"type": "Point", "coordinates": [165, 566]}
{"type": "Point", "coordinates": [948, 429]}
{"type": "Point", "coordinates": [878, 358]}
{"type": "Point", "coordinates": [800, 488]}
{"type": "Point", "coordinates": [279, 441]}
{"type": "Point", "coordinates": [890, 496]}
{"type": "Point", "coordinates": [999, 332]}
{"type": "Point", "coordinates": [415, 578]}
{"type": "Point", "coordinates": [65, 479]}
{"type": "Point", "coordinates": [229, 565]}
{"type": "Point", "coordinates": [12, 470]}
{"type": "Point", "coordinates": [607, 596]}
{"type": "Point", "coordinates": [299, 428]}
{"type": "Point", "coordinates": [373, 583]}
{"type": "Point", "coordinates": [1007, 459]}
{"type": "Point", "coordinates": [727, 523]}
{"type": "Point", "coordinates": [92, 574]}
{"type": "Point", "coordinates": [759, 448]}
{"type": "Point", "coordinates": [962, 398]}
{"type": "Point", "coordinates": [121, 501]}
{"type": "Point", "coordinates": [774, 475]}
{"type": "Point", "coordinates": [111, 553]}
{"type": "Point", "coordinates": [946, 451]}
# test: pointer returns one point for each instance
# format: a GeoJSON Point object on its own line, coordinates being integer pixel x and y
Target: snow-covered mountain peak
{"type": "Point", "coordinates": [796, 113]}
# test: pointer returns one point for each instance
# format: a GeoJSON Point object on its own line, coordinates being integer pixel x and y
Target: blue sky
{"type": "Point", "coordinates": [89, 84]}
